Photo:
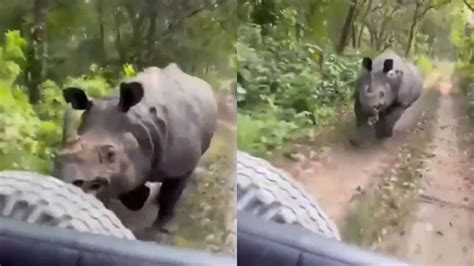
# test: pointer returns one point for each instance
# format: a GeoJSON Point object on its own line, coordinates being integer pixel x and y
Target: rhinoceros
{"type": "Point", "coordinates": [388, 86]}
{"type": "Point", "coordinates": [155, 129]}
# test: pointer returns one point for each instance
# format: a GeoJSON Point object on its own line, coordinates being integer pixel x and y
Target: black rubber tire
{"type": "Point", "coordinates": [271, 194]}
{"type": "Point", "coordinates": [45, 200]}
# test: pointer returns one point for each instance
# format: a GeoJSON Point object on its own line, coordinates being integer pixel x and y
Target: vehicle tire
{"type": "Point", "coordinates": [45, 200]}
{"type": "Point", "coordinates": [270, 193]}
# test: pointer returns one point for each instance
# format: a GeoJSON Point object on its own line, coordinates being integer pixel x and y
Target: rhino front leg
{"type": "Point", "coordinates": [362, 130]}
{"type": "Point", "coordinates": [384, 127]}
{"type": "Point", "coordinates": [393, 117]}
{"type": "Point", "coordinates": [361, 119]}
{"type": "Point", "coordinates": [381, 130]}
{"type": "Point", "coordinates": [170, 192]}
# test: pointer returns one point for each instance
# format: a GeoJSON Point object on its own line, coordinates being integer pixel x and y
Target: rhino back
{"type": "Point", "coordinates": [412, 82]}
{"type": "Point", "coordinates": [179, 113]}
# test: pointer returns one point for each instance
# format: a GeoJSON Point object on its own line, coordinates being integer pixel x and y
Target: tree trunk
{"type": "Point", "coordinates": [372, 39]}
{"type": "Point", "coordinates": [346, 31]}
{"type": "Point", "coordinates": [411, 36]}
{"type": "Point", "coordinates": [362, 21]}
{"type": "Point", "coordinates": [359, 37]}
{"type": "Point", "coordinates": [118, 38]}
{"type": "Point", "coordinates": [152, 16]}
{"type": "Point", "coordinates": [354, 36]}
{"type": "Point", "coordinates": [151, 34]}
{"type": "Point", "coordinates": [37, 54]}
{"type": "Point", "coordinates": [100, 12]}
{"type": "Point", "coordinates": [471, 58]}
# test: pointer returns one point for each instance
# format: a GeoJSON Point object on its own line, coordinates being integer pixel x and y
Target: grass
{"type": "Point", "coordinates": [465, 132]}
{"type": "Point", "coordinates": [317, 140]}
{"type": "Point", "coordinates": [205, 216]}
{"type": "Point", "coordinates": [389, 207]}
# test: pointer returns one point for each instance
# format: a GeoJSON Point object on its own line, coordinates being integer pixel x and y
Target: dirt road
{"type": "Point", "coordinates": [443, 232]}
{"type": "Point", "coordinates": [347, 171]}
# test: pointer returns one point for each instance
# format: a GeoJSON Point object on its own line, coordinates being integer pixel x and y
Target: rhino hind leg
{"type": "Point", "coordinates": [170, 192]}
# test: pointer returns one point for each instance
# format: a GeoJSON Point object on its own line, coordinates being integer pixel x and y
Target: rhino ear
{"type": "Point", "coordinates": [77, 98]}
{"type": "Point", "coordinates": [367, 63]}
{"type": "Point", "coordinates": [387, 65]}
{"type": "Point", "coordinates": [130, 94]}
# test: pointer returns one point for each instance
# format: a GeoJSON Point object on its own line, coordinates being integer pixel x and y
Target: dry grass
{"type": "Point", "coordinates": [206, 215]}
{"type": "Point", "coordinates": [387, 209]}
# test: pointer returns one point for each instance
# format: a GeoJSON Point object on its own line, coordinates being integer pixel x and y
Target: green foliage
{"type": "Point", "coordinates": [128, 70]}
{"type": "Point", "coordinates": [20, 126]}
{"type": "Point", "coordinates": [425, 64]}
{"type": "Point", "coordinates": [11, 56]}
{"type": "Point", "coordinates": [282, 89]}
{"type": "Point", "coordinates": [94, 83]}
{"type": "Point", "coordinates": [263, 133]}
{"type": "Point", "coordinates": [287, 68]}
{"type": "Point", "coordinates": [30, 134]}
{"type": "Point", "coordinates": [465, 75]}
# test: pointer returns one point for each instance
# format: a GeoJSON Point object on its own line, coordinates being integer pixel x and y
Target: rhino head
{"type": "Point", "coordinates": [103, 158]}
{"type": "Point", "coordinates": [376, 90]}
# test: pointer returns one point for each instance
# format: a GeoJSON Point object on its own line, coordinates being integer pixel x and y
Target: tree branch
{"type": "Point", "coordinates": [428, 8]}
{"type": "Point", "coordinates": [388, 17]}
{"type": "Point", "coordinates": [469, 5]}
{"type": "Point", "coordinates": [172, 25]}
{"type": "Point", "coordinates": [380, 6]}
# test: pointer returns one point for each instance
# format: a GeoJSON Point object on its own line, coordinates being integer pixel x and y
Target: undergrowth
{"type": "Point", "coordinates": [31, 134]}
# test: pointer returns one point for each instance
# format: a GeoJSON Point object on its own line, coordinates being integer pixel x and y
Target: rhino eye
{"type": "Point", "coordinates": [381, 94]}
{"type": "Point", "coordinates": [108, 153]}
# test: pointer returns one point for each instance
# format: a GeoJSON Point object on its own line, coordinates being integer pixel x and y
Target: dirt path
{"type": "Point", "coordinates": [443, 232]}
{"type": "Point", "coordinates": [348, 171]}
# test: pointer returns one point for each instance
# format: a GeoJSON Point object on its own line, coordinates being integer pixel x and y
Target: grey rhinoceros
{"type": "Point", "coordinates": [386, 88]}
{"type": "Point", "coordinates": [155, 130]}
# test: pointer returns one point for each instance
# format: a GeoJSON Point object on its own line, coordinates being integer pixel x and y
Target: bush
{"type": "Point", "coordinates": [31, 134]}
{"type": "Point", "coordinates": [20, 126]}
{"type": "Point", "coordinates": [465, 81]}
{"type": "Point", "coordinates": [282, 89]}
{"type": "Point", "coordinates": [424, 64]}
